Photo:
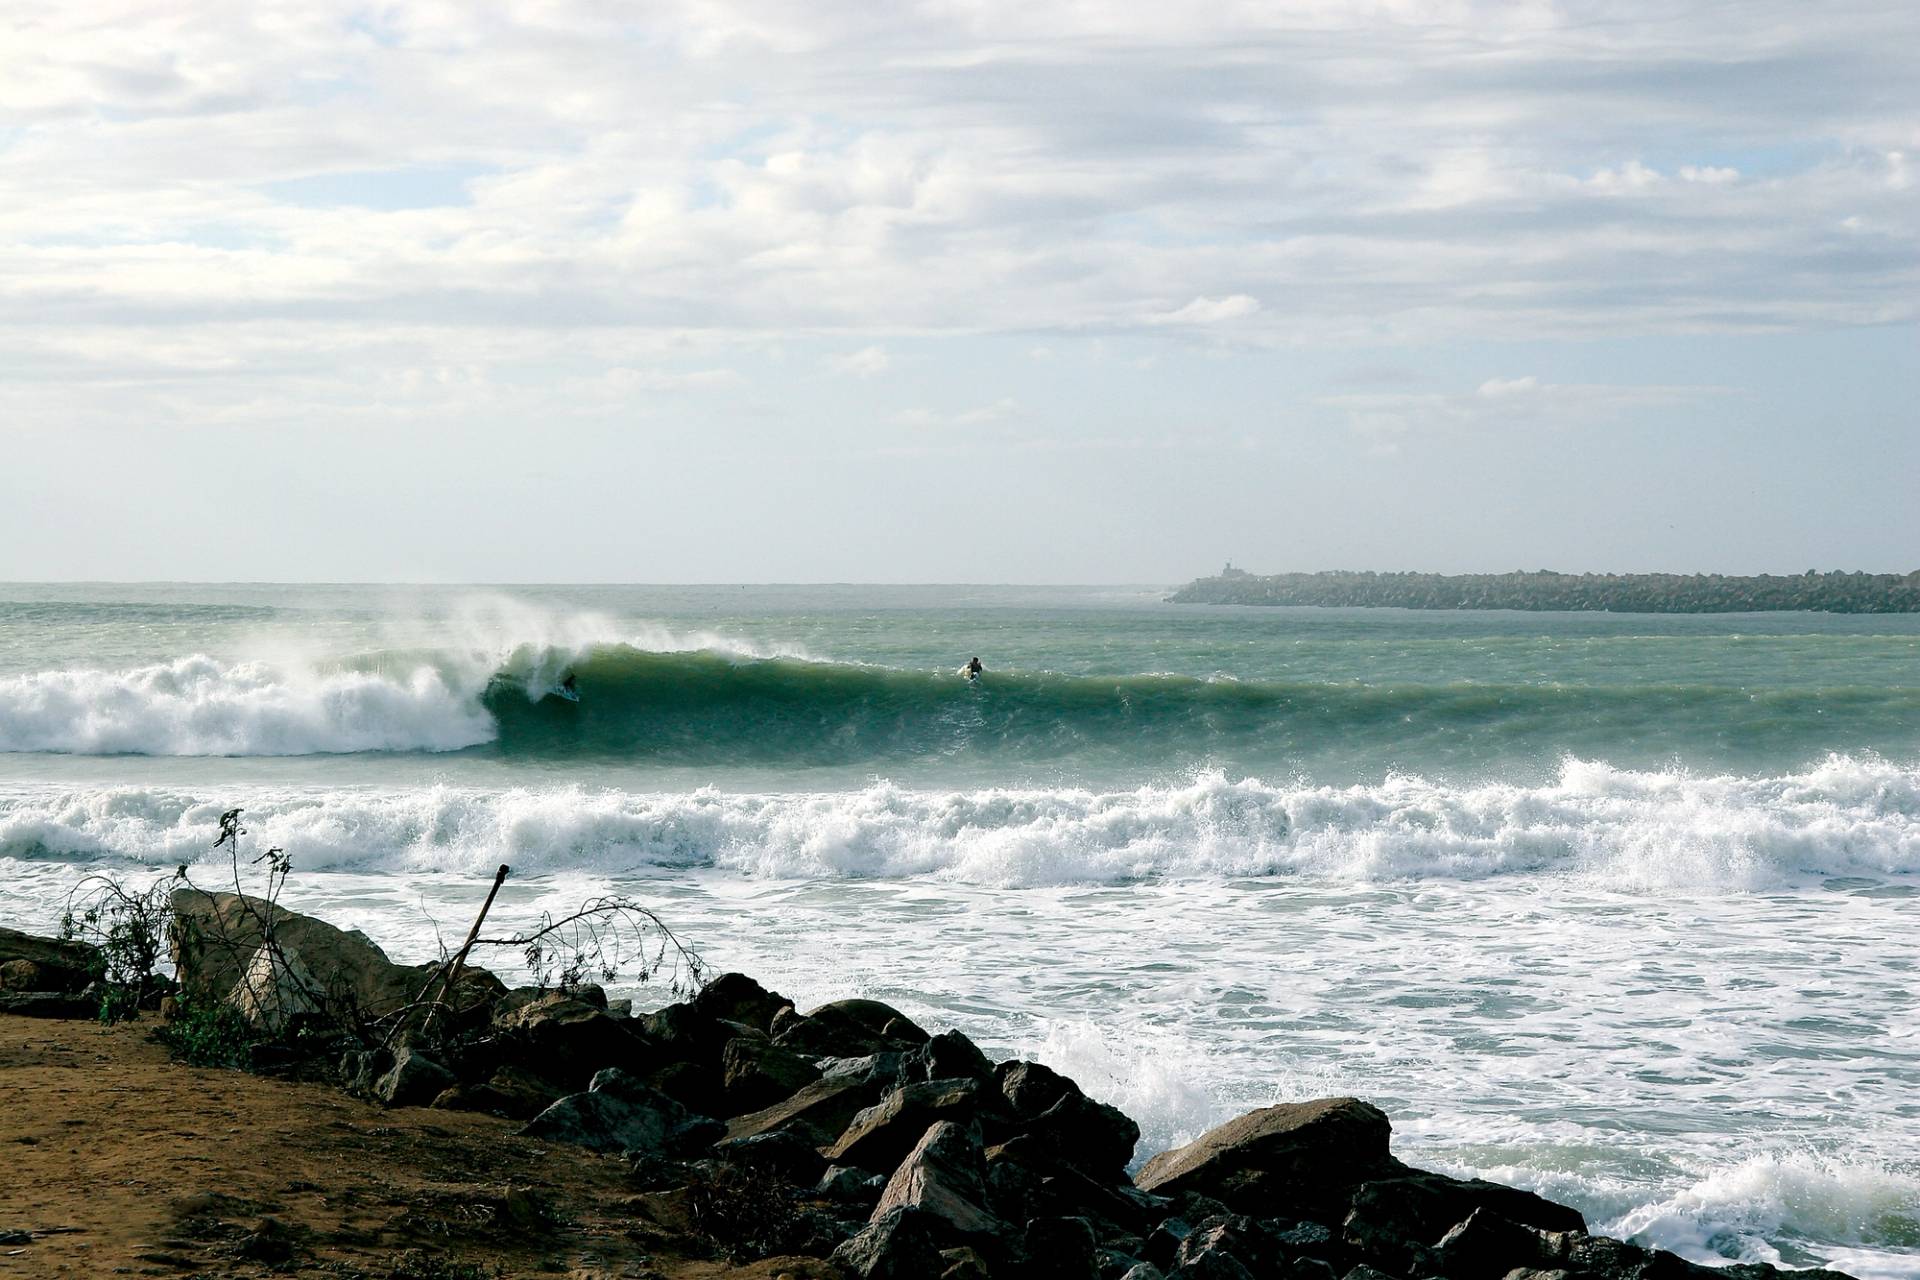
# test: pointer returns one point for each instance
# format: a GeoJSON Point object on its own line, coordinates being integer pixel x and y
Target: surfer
{"type": "Point", "coordinates": [973, 668]}
{"type": "Point", "coordinates": [569, 689]}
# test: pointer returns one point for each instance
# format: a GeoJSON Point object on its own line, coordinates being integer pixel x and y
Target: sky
{"type": "Point", "coordinates": [956, 290]}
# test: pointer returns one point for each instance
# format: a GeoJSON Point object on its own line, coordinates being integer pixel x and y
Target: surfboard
{"type": "Point", "coordinates": [569, 694]}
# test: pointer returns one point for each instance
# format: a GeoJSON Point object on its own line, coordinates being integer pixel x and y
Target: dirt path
{"type": "Point", "coordinates": [119, 1161]}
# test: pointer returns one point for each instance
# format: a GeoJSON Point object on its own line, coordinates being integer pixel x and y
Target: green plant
{"type": "Point", "coordinates": [208, 1034]}
{"type": "Point", "coordinates": [129, 928]}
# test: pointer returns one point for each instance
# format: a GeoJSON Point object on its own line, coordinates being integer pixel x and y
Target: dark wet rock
{"type": "Point", "coordinates": [849, 1028]}
{"type": "Point", "coordinates": [783, 1155]}
{"type": "Point", "coordinates": [883, 1071]}
{"type": "Point", "coordinates": [621, 1113]}
{"type": "Point", "coordinates": [757, 1073]}
{"type": "Point", "coordinates": [896, 1245]}
{"type": "Point", "coordinates": [947, 1056]}
{"type": "Point", "coordinates": [1534, 1273]}
{"type": "Point", "coordinates": [1114, 1264]}
{"type": "Point", "coordinates": [1071, 1127]}
{"type": "Point", "coordinates": [1289, 1159]}
{"type": "Point", "coordinates": [1487, 1246]}
{"type": "Point", "coordinates": [848, 1185]}
{"type": "Point", "coordinates": [1143, 1271]}
{"type": "Point", "coordinates": [1393, 1221]}
{"type": "Point", "coordinates": [1365, 1272]}
{"type": "Point", "coordinates": [818, 1113]}
{"type": "Point", "coordinates": [1230, 1236]}
{"type": "Point", "coordinates": [1030, 1087]}
{"type": "Point", "coordinates": [694, 1087]}
{"type": "Point", "coordinates": [568, 1040]}
{"type": "Point", "coordinates": [29, 962]}
{"type": "Point", "coordinates": [684, 1034]}
{"type": "Point", "coordinates": [878, 1136]}
{"type": "Point", "coordinates": [1061, 1247]}
{"type": "Point", "coordinates": [945, 1175]}
{"type": "Point", "coordinates": [734, 997]}
{"type": "Point", "coordinates": [413, 1080]}
{"type": "Point", "coordinates": [1163, 1242]}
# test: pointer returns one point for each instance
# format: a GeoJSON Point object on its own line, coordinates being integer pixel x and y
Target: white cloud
{"type": "Point", "coordinates": [1236, 306]}
{"type": "Point", "coordinates": [867, 362]}
{"type": "Point", "coordinates": [1525, 401]}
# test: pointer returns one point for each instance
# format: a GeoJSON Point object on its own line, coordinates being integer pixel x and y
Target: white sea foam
{"type": "Point", "coordinates": [201, 706]}
{"type": "Point", "coordinates": [1623, 829]}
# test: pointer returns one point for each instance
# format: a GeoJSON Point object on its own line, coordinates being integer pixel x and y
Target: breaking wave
{"type": "Point", "coordinates": [1626, 829]}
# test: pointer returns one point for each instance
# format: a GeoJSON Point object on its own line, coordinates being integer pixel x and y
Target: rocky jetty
{"type": "Point", "coordinates": [867, 1146]}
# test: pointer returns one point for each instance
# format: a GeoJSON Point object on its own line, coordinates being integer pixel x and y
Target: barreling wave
{"type": "Point", "coordinates": [708, 705]}
{"type": "Point", "coordinates": [1620, 828]}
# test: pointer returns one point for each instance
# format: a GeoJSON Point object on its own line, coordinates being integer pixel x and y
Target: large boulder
{"type": "Point", "coordinates": [896, 1245]}
{"type": "Point", "coordinates": [945, 1176]}
{"type": "Point", "coordinates": [877, 1137]}
{"type": "Point", "coordinates": [758, 1073]}
{"type": "Point", "coordinates": [619, 1113]}
{"type": "Point", "coordinates": [848, 1029]}
{"type": "Point", "coordinates": [568, 1040]}
{"type": "Point", "coordinates": [819, 1113]}
{"type": "Point", "coordinates": [32, 963]}
{"type": "Point", "coordinates": [276, 987]}
{"type": "Point", "coordinates": [216, 936]}
{"type": "Point", "coordinates": [414, 1080]}
{"type": "Point", "coordinates": [1065, 1124]}
{"type": "Point", "coordinates": [734, 997]}
{"type": "Point", "coordinates": [1395, 1221]}
{"type": "Point", "coordinates": [1296, 1160]}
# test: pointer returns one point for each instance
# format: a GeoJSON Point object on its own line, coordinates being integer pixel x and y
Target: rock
{"type": "Point", "coordinates": [568, 1040]}
{"type": "Point", "coordinates": [413, 1080]}
{"type": "Point", "coordinates": [945, 1175]}
{"type": "Point", "coordinates": [32, 963]}
{"type": "Point", "coordinates": [1088, 1135]}
{"type": "Point", "coordinates": [1163, 1242]}
{"type": "Point", "coordinates": [757, 1074]}
{"type": "Point", "coordinates": [1206, 1250]}
{"type": "Point", "coordinates": [1143, 1271]}
{"type": "Point", "coordinates": [782, 1154]}
{"type": "Point", "coordinates": [48, 1004]}
{"type": "Point", "coordinates": [1061, 1247]}
{"type": "Point", "coordinates": [1526, 1273]}
{"type": "Point", "coordinates": [509, 1092]}
{"type": "Point", "coordinates": [948, 1056]}
{"type": "Point", "coordinates": [896, 1245]}
{"type": "Point", "coordinates": [1365, 1272]}
{"type": "Point", "coordinates": [818, 1113]}
{"type": "Point", "coordinates": [1031, 1087]}
{"type": "Point", "coordinates": [847, 1185]}
{"type": "Point", "coordinates": [619, 1113]}
{"type": "Point", "coordinates": [849, 1028]}
{"type": "Point", "coordinates": [275, 988]}
{"type": "Point", "coordinates": [884, 1071]}
{"type": "Point", "coordinates": [877, 1137]}
{"type": "Point", "coordinates": [734, 997]}
{"type": "Point", "coordinates": [963, 1264]}
{"type": "Point", "coordinates": [1394, 1221]}
{"type": "Point", "coordinates": [1291, 1159]}
{"type": "Point", "coordinates": [1487, 1246]}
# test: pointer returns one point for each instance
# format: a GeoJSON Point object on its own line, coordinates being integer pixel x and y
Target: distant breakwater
{"type": "Point", "coordinates": [1546, 591]}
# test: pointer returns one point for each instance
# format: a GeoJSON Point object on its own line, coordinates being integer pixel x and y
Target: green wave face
{"type": "Point", "coordinates": [707, 707]}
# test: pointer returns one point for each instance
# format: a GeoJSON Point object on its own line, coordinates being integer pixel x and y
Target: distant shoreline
{"type": "Point", "coordinates": [1546, 591]}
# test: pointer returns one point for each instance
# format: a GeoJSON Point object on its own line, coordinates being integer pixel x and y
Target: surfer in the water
{"type": "Point", "coordinates": [973, 668]}
{"type": "Point", "coordinates": [568, 687]}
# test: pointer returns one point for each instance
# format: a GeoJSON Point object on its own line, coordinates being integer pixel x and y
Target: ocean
{"type": "Point", "coordinates": [1620, 908]}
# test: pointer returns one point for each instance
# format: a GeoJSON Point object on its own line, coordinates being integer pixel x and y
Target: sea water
{"type": "Point", "coordinates": [1618, 908]}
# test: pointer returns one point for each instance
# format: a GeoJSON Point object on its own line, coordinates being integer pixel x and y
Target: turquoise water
{"type": "Point", "coordinates": [1618, 907]}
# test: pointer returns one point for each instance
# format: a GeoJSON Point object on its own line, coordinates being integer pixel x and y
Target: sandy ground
{"type": "Point", "coordinates": [114, 1160]}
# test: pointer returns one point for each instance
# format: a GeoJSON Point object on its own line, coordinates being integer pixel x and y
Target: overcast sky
{"type": "Point", "coordinates": [704, 290]}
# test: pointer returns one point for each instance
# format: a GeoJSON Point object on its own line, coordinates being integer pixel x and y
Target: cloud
{"type": "Point", "coordinates": [1526, 401]}
{"type": "Point", "coordinates": [1236, 306]}
{"type": "Point", "coordinates": [1298, 173]}
{"type": "Point", "coordinates": [867, 362]}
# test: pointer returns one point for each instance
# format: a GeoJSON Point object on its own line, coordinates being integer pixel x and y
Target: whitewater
{"type": "Point", "coordinates": [1617, 908]}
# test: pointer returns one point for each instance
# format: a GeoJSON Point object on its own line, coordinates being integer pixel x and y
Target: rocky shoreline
{"type": "Point", "coordinates": [849, 1141]}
